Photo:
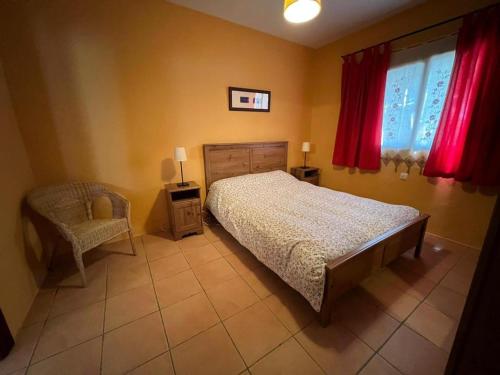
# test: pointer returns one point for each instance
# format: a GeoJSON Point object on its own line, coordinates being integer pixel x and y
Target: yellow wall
{"type": "Point", "coordinates": [458, 211]}
{"type": "Point", "coordinates": [104, 91]}
{"type": "Point", "coordinates": [17, 283]}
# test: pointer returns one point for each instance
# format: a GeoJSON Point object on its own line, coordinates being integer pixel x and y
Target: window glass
{"type": "Point", "coordinates": [414, 97]}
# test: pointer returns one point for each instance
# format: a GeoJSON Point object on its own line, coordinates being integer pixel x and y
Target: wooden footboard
{"type": "Point", "coordinates": [346, 272]}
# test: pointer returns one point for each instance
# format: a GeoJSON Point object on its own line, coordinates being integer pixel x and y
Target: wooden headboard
{"type": "Point", "coordinates": [235, 159]}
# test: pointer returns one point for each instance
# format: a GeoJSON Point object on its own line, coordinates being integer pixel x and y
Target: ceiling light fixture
{"type": "Point", "coordinates": [299, 11]}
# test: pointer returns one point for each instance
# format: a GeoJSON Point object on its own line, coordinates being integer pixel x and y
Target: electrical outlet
{"type": "Point", "coordinates": [403, 176]}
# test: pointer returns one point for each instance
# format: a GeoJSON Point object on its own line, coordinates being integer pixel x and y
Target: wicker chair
{"type": "Point", "coordinates": [69, 208]}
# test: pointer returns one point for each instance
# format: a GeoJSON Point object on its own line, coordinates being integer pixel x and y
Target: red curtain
{"type": "Point", "coordinates": [467, 142]}
{"type": "Point", "coordinates": [359, 129]}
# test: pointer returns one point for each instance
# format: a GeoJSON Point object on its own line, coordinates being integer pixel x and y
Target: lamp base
{"type": "Point", "coordinates": [182, 184]}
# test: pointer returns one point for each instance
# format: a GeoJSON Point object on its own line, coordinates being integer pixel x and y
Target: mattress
{"type": "Point", "coordinates": [295, 228]}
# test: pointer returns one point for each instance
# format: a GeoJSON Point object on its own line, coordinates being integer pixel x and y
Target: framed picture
{"type": "Point", "coordinates": [241, 99]}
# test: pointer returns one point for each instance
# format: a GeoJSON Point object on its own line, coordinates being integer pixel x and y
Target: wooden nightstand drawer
{"type": "Point", "coordinates": [307, 174]}
{"type": "Point", "coordinates": [312, 180]}
{"type": "Point", "coordinates": [184, 209]}
{"type": "Point", "coordinates": [186, 203]}
{"type": "Point", "coordinates": [187, 215]}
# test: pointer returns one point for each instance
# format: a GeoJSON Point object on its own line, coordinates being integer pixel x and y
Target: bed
{"type": "Point", "coordinates": [319, 241]}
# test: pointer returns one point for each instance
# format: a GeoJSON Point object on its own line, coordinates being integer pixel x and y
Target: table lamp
{"type": "Point", "coordinates": [306, 147]}
{"type": "Point", "coordinates": [180, 156]}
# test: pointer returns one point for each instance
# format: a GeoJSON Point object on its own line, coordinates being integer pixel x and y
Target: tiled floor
{"type": "Point", "coordinates": [205, 305]}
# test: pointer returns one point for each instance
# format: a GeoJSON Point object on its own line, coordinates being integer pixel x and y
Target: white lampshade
{"type": "Point", "coordinates": [298, 11]}
{"type": "Point", "coordinates": [306, 146]}
{"type": "Point", "coordinates": [180, 154]}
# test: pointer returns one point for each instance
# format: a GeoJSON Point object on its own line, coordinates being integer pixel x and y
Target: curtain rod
{"type": "Point", "coordinates": [423, 29]}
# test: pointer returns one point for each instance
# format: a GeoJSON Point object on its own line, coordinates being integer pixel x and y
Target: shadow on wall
{"type": "Point", "coordinates": [40, 240]}
{"type": "Point", "coordinates": [28, 87]}
{"type": "Point", "coordinates": [168, 171]}
{"type": "Point", "coordinates": [157, 219]}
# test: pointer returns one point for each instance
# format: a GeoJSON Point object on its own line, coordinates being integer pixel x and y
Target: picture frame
{"type": "Point", "coordinates": [249, 100]}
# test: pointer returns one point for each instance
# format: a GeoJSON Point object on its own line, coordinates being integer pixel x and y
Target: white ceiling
{"type": "Point", "coordinates": [337, 18]}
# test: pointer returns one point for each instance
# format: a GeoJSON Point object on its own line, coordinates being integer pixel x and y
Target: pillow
{"type": "Point", "coordinates": [72, 211]}
{"type": "Point", "coordinates": [102, 208]}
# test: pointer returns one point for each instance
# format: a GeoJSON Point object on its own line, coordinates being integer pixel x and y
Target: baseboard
{"type": "Point", "coordinates": [449, 243]}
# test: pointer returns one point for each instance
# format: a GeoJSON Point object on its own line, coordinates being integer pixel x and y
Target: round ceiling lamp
{"type": "Point", "coordinates": [299, 11]}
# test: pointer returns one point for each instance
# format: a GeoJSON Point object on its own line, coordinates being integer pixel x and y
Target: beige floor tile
{"type": "Point", "coordinates": [334, 348]}
{"type": "Point", "coordinates": [364, 319]}
{"type": "Point", "coordinates": [412, 354]}
{"type": "Point", "coordinates": [291, 308]}
{"type": "Point", "coordinates": [22, 371]}
{"type": "Point", "coordinates": [264, 282]}
{"type": "Point", "coordinates": [176, 288]}
{"type": "Point", "coordinates": [71, 295]}
{"type": "Point", "coordinates": [228, 246]}
{"type": "Point", "coordinates": [432, 264]}
{"type": "Point", "coordinates": [20, 355]}
{"type": "Point", "coordinates": [466, 267]}
{"type": "Point", "coordinates": [447, 301]}
{"type": "Point", "coordinates": [196, 256]}
{"type": "Point", "coordinates": [117, 261]}
{"type": "Point", "coordinates": [188, 318]}
{"type": "Point", "coordinates": [193, 241]}
{"type": "Point", "coordinates": [119, 254]}
{"type": "Point", "coordinates": [125, 278]}
{"type": "Point", "coordinates": [129, 306]}
{"type": "Point", "coordinates": [470, 255]}
{"type": "Point", "coordinates": [156, 237]}
{"type": "Point", "coordinates": [80, 360]}
{"type": "Point", "coordinates": [243, 262]}
{"type": "Point", "coordinates": [411, 283]}
{"type": "Point", "coordinates": [131, 345]}
{"type": "Point", "coordinates": [215, 233]}
{"type": "Point", "coordinates": [41, 306]}
{"type": "Point", "coordinates": [212, 274]}
{"type": "Point", "coordinates": [379, 366]}
{"type": "Point", "coordinates": [168, 266]}
{"type": "Point", "coordinates": [433, 325]}
{"type": "Point", "coordinates": [157, 247]}
{"type": "Point", "coordinates": [159, 365]}
{"type": "Point", "coordinates": [289, 358]}
{"type": "Point", "coordinates": [121, 246]}
{"type": "Point", "coordinates": [457, 282]}
{"type": "Point", "coordinates": [230, 297]}
{"type": "Point", "coordinates": [443, 243]}
{"type": "Point", "coordinates": [256, 331]}
{"type": "Point", "coordinates": [389, 298]}
{"type": "Point", "coordinates": [70, 329]}
{"type": "Point", "coordinates": [210, 352]}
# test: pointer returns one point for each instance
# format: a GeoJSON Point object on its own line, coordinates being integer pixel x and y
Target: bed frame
{"type": "Point", "coordinates": [344, 273]}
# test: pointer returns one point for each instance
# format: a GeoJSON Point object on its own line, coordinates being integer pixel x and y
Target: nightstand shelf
{"type": "Point", "coordinates": [307, 174]}
{"type": "Point", "coordinates": [184, 209]}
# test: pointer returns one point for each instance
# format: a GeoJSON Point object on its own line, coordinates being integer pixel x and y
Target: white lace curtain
{"type": "Point", "coordinates": [416, 88]}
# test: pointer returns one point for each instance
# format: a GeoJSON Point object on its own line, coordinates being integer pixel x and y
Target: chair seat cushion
{"type": "Point", "coordinates": [92, 233]}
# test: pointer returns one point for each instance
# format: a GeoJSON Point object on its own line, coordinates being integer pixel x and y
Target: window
{"type": "Point", "coordinates": [416, 88]}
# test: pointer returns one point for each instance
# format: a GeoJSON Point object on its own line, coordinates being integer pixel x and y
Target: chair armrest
{"type": "Point", "coordinates": [121, 205]}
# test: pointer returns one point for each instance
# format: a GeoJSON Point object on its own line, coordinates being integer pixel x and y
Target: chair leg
{"type": "Point", "coordinates": [81, 267]}
{"type": "Point", "coordinates": [131, 237]}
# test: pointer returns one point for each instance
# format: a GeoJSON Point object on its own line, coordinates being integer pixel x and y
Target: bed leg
{"type": "Point", "coordinates": [418, 248]}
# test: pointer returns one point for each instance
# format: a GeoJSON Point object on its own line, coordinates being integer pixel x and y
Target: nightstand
{"type": "Point", "coordinates": [307, 174]}
{"type": "Point", "coordinates": [184, 209]}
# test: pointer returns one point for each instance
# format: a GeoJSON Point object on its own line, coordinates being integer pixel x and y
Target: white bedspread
{"type": "Point", "coordinates": [295, 228]}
